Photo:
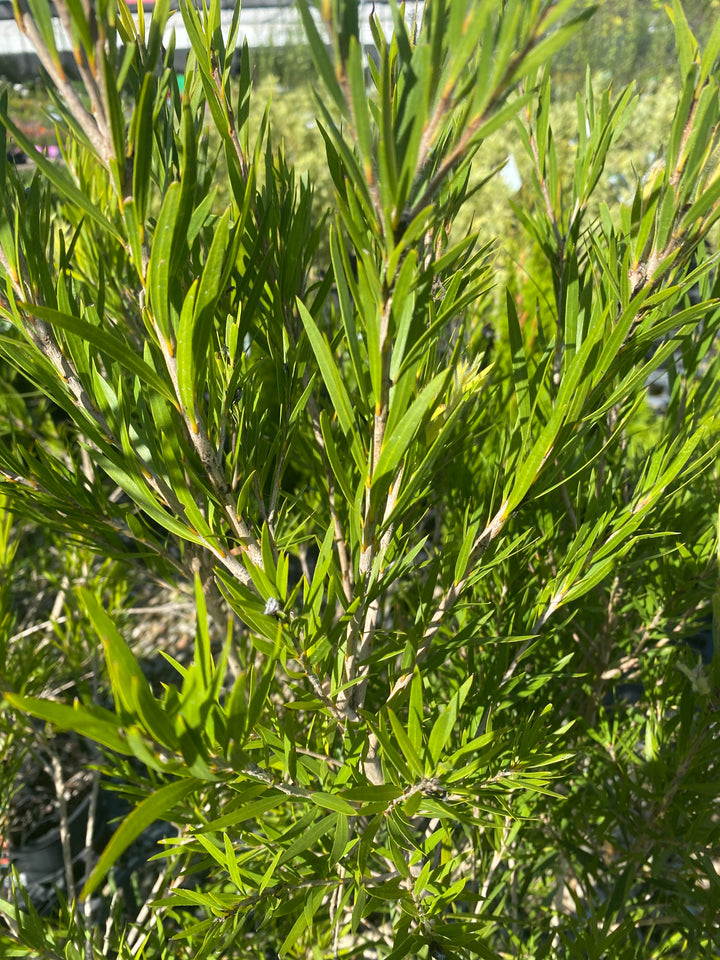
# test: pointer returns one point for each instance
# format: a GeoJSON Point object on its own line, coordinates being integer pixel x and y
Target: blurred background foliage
{"type": "Point", "coordinates": [625, 41]}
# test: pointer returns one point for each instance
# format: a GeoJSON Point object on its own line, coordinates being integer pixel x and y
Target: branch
{"type": "Point", "coordinates": [98, 101]}
{"type": "Point", "coordinates": [371, 618]}
{"type": "Point", "coordinates": [199, 438]}
{"type": "Point", "coordinates": [86, 121]}
{"type": "Point", "coordinates": [451, 596]}
{"type": "Point", "coordinates": [362, 625]}
{"type": "Point", "coordinates": [452, 156]}
{"type": "Point", "coordinates": [42, 336]}
{"type": "Point", "coordinates": [59, 784]}
{"type": "Point", "coordinates": [339, 540]}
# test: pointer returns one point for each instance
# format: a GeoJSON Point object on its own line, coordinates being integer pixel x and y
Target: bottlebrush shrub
{"type": "Point", "coordinates": [439, 557]}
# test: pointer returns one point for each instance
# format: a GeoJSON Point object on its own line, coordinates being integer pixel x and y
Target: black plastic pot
{"type": "Point", "coordinates": [38, 856]}
{"type": "Point", "coordinates": [36, 851]}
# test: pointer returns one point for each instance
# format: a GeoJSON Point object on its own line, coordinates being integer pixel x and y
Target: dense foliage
{"type": "Point", "coordinates": [446, 563]}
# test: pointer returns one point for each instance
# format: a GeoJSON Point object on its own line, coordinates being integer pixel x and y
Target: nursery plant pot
{"type": "Point", "coordinates": [38, 855]}
{"type": "Point", "coordinates": [33, 841]}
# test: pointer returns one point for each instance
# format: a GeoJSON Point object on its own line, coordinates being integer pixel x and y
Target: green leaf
{"type": "Point", "coordinates": [93, 722]}
{"type": "Point", "coordinates": [331, 452]}
{"type": "Point", "coordinates": [406, 745]}
{"type": "Point", "coordinates": [116, 116]}
{"type": "Point", "coordinates": [213, 279]}
{"type": "Point", "coordinates": [399, 437]}
{"type": "Point", "coordinates": [160, 13]}
{"type": "Point", "coordinates": [159, 268]}
{"type": "Point", "coordinates": [247, 811]}
{"type": "Point", "coordinates": [520, 370]}
{"type": "Point", "coordinates": [415, 711]}
{"type": "Point", "coordinates": [153, 808]}
{"type": "Point", "coordinates": [686, 43]}
{"type": "Point", "coordinates": [332, 801]}
{"type": "Point", "coordinates": [552, 42]}
{"type": "Point", "coordinates": [463, 557]}
{"type": "Point", "coordinates": [141, 136]}
{"type": "Point", "coordinates": [442, 731]}
{"type": "Point", "coordinates": [186, 358]}
{"type": "Point", "coordinates": [710, 54]}
{"type": "Point", "coordinates": [309, 837]}
{"type": "Point", "coordinates": [340, 843]}
{"type": "Point", "coordinates": [134, 487]}
{"type": "Point", "coordinates": [321, 58]}
{"type": "Point", "coordinates": [705, 203]}
{"type": "Point", "coordinates": [386, 146]}
{"type": "Point", "coordinates": [60, 178]}
{"type": "Point", "coordinates": [344, 280]}
{"type": "Point", "coordinates": [303, 921]}
{"type": "Point", "coordinates": [135, 233]}
{"type": "Point", "coordinates": [203, 652]}
{"type": "Point", "coordinates": [129, 683]}
{"type": "Point", "coordinates": [329, 370]}
{"type": "Point", "coordinates": [106, 342]}
{"type": "Point", "coordinates": [361, 114]}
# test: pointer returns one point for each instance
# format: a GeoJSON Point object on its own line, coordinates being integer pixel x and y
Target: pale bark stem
{"type": "Point", "coordinates": [86, 121]}
{"type": "Point", "coordinates": [339, 539]}
{"type": "Point", "coordinates": [450, 597]}
{"type": "Point", "coordinates": [200, 440]}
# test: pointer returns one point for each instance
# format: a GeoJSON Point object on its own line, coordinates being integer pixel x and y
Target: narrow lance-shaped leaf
{"type": "Point", "coordinates": [186, 355]}
{"type": "Point", "coordinates": [710, 53]}
{"type": "Point", "coordinates": [520, 370]}
{"type": "Point", "coordinates": [105, 342]}
{"type": "Point", "coordinates": [332, 801]}
{"type": "Point", "coordinates": [361, 113]}
{"type": "Point", "coordinates": [59, 177]}
{"type": "Point", "coordinates": [159, 269]}
{"type": "Point", "coordinates": [309, 837]}
{"type": "Point", "coordinates": [321, 57]}
{"type": "Point", "coordinates": [328, 370]}
{"type": "Point", "coordinates": [152, 808]}
{"type": "Point", "coordinates": [93, 722]}
{"type": "Point", "coordinates": [117, 125]}
{"type": "Point", "coordinates": [406, 745]}
{"type": "Point", "coordinates": [339, 471]}
{"type": "Point", "coordinates": [442, 730]}
{"type": "Point", "coordinates": [142, 133]}
{"type": "Point", "coordinates": [182, 234]}
{"type": "Point", "coordinates": [129, 683]}
{"type": "Point", "coordinates": [399, 438]}
{"type": "Point", "coordinates": [552, 42]}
